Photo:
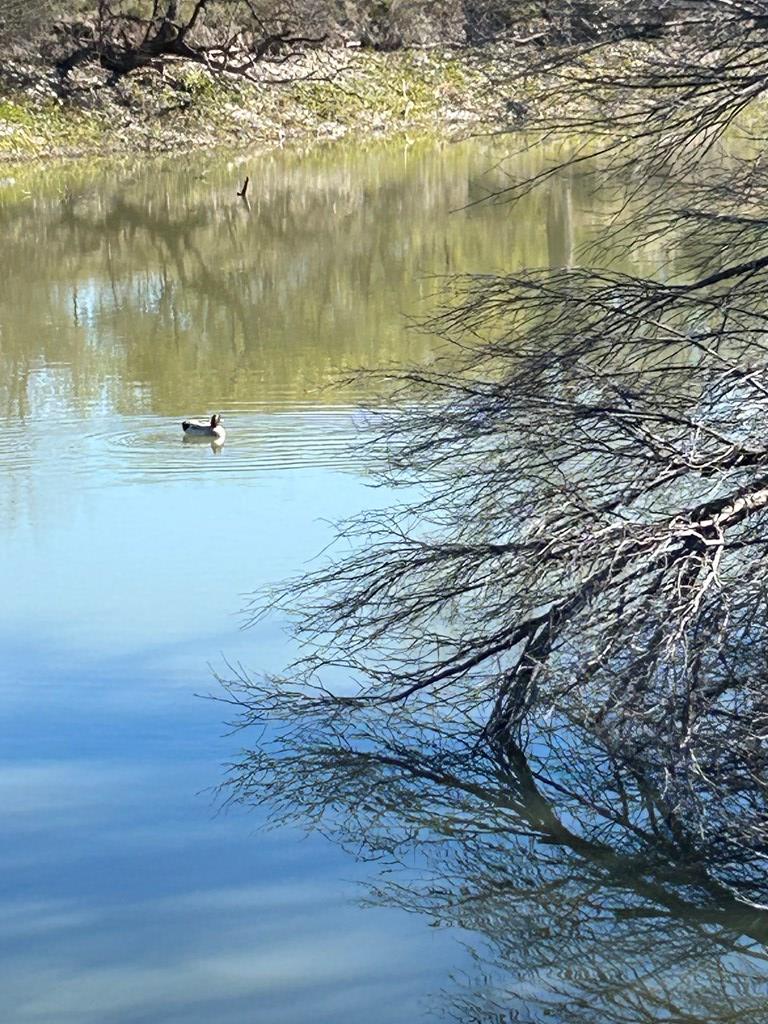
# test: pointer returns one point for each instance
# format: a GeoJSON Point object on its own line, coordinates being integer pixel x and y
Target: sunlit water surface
{"type": "Point", "coordinates": [132, 295]}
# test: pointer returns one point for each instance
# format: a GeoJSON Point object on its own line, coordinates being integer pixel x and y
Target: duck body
{"type": "Point", "coordinates": [204, 428]}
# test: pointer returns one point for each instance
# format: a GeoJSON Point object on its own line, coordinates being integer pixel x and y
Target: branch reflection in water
{"type": "Point", "coordinates": [557, 648]}
{"type": "Point", "coordinates": [570, 867]}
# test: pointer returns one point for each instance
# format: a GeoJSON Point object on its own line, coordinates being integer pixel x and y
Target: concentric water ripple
{"type": "Point", "coordinates": [145, 448]}
{"type": "Point", "coordinates": [16, 450]}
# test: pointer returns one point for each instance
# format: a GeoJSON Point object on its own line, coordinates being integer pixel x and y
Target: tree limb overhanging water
{"type": "Point", "coordinates": [558, 637]}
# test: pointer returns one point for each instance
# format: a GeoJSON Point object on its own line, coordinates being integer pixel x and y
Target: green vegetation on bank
{"type": "Point", "coordinates": [332, 94]}
{"type": "Point", "coordinates": [45, 128]}
{"type": "Point", "coordinates": [105, 76]}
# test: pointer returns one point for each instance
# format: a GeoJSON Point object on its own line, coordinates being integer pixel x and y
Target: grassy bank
{"type": "Point", "coordinates": [324, 95]}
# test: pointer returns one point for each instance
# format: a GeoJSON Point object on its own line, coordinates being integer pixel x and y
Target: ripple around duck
{"type": "Point", "coordinates": [109, 447]}
{"type": "Point", "coordinates": [280, 441]}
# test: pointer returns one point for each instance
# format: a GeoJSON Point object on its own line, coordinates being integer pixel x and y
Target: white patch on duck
{"type": "Point", "coordinates": [204, 429]}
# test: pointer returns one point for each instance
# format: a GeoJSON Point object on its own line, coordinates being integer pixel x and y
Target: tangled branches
{"type": "Point", "coordinates": [582, 550]}
{"type": "Point", "coordinates": [242, 36]}
{"type": "Point", "coordinates": [582, 901]}
{"type": "Point", "coordinates": [591, 544]}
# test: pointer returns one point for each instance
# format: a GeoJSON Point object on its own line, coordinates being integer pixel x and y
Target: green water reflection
{"type": "Point", "coordinates": [150, 286]}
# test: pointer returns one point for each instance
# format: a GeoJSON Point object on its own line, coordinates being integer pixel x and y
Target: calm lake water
{"type": "Point", "coordinates": [134, 294]}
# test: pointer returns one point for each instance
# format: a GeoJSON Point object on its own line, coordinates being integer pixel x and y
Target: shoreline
{"type": "Point", "coordinates": [323, 96]}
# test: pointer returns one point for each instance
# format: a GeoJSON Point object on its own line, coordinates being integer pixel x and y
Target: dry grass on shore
{"type": "Point", "coordinates": [322, 95]}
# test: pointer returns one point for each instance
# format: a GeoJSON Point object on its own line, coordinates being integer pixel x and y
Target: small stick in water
{"type": "Point", "coordinates": [244, 189]}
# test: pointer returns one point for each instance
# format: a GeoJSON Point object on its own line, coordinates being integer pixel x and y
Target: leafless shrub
{"type": "Point", "coordinates": [589, 551]}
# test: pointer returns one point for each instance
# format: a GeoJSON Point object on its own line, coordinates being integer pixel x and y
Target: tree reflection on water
{"type": "Point", "coordinates": [579, 889]}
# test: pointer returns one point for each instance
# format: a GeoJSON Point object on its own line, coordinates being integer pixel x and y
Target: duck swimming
{"type": "Point", "coordinates": [201, 428]}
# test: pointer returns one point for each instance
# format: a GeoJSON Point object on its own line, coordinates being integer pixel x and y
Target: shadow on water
{"type": "Point", "coordinates": [578, 901]}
